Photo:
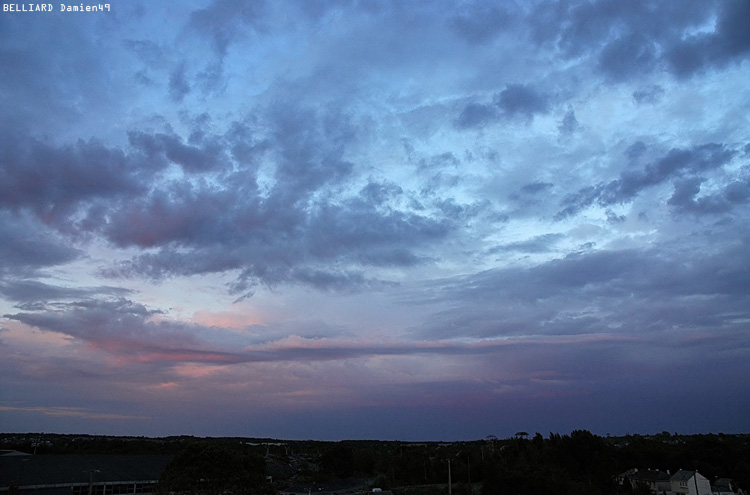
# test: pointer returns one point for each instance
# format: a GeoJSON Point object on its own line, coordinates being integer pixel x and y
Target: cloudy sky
{"type": "Point", "coordinates": [375, 219]}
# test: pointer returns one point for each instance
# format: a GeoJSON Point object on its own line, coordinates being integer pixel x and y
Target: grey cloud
{"type": "Point", "coordinates": [202, 230]}
{"type": "Point", "coordinates": [122, 327]}
{"type": "Point", "coordinates": [183, 214]}
{"type": "Point", "coordinates": [521, 99]}
{"type": "Point", "coordinates": [380, 192]}
{"type": "Point", "coordinates": [303, 229]}
{"type": "Point", "coordinates": [481, 23]}
{"type": "Point", "coordinates": [355, 229]}
{"type": "Point", "coordinates": [635, 150]}
{"type": "Point", "coordinates": [199, 155]}
{"type": "Point", "coordinates": [45, 62]}
{"type": "Point", "coordinates": [675, 164]}
{"type": "Point", "coordinates": [147, 51]}
{"type": "Point", "coordinates": [466, 212]}
{"type": "Point", "coordinates": [612, 217]}
{"type": "Point", "coordinates": [729, 42]}
{"type": "Point", "coordinates": [308, 144]}
{"type": "Point", "coordinates": [516, 100]}
{"type": "Point", "coordinates": [327, 280]}
{"type": "Point", "coordinates": [578, 28]}
{"type": "Point", "coordinates": [26, 247]}
{"type": "Point", "coordinates": [223, 21]}
{"type": "Point", "coordinates": [583, 198]}
{"type": "Point", "coordinates": [476, 115]}
{"type": "Point", "coordinates": [52, 180]}
{"type": "Point", "coordinates": [539, 244]}
{"type": "Point", "coordinates": [178, 83]}
{"type": "Point", "coordinates": [630, 39]}
{"type": "Point", "coordinates": [685, 197]}
{"type": "Point", "coordinates": [569, 123]}
{"type": "Point", "coordinates": [211, 78]}
{"type": "Point", "coordinates": [648, 94]}
{"type": "Point", "coordinates": [32, 292]}
{"type": "Point", "coordinates": [536, 187]}
{"type": "Point", "coordinates": [440, 161]}
{"type": "Point", "coordinates": [628, 56]}
{"type": "Point", "coordinates": [600, 292]}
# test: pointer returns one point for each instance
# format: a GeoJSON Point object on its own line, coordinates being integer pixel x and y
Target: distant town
{"type": "Point", "coordinates": [579, 463]}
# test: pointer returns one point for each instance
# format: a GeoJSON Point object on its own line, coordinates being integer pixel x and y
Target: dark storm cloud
{"type": "Point", "coordinates": [674, 164]}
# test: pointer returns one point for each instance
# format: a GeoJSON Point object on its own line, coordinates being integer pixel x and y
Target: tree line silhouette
{"type": "Point", "coordinates": [580, 462]}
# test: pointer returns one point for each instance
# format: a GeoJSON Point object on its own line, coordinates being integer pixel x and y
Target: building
{"type": "Point", "coordinates": [681, 483]}
{"type": "Point", "coordinates": [690, 483]}
{"type": "Point", "coordinates": [725, 486]}
{"type": "Point", "coordinates": [80, 474]}
{"type": "Point", "coordinates": [657, 481]}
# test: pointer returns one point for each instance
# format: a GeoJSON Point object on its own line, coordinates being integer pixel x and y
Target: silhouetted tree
{"type": "Point", "coordinates": [207, 469]}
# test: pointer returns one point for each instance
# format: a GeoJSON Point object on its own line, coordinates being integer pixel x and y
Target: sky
{"type": "Point", "coordinates": [408, 220]}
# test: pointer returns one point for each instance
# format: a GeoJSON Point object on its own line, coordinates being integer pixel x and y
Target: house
{"type": "Point", "coordinates": [657, 481]}
{"type": "Point", "coordinates": [681, 483]}
{"type": "Point", "coordinates": [725, 486]}
{"type": "Point", "coordinates": [689, 483]}
{"type": "Point", "coordinates": [81, 474]}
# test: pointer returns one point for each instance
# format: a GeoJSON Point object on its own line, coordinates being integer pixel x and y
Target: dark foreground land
{"type": "Point", "coordinates": [577, 463]}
